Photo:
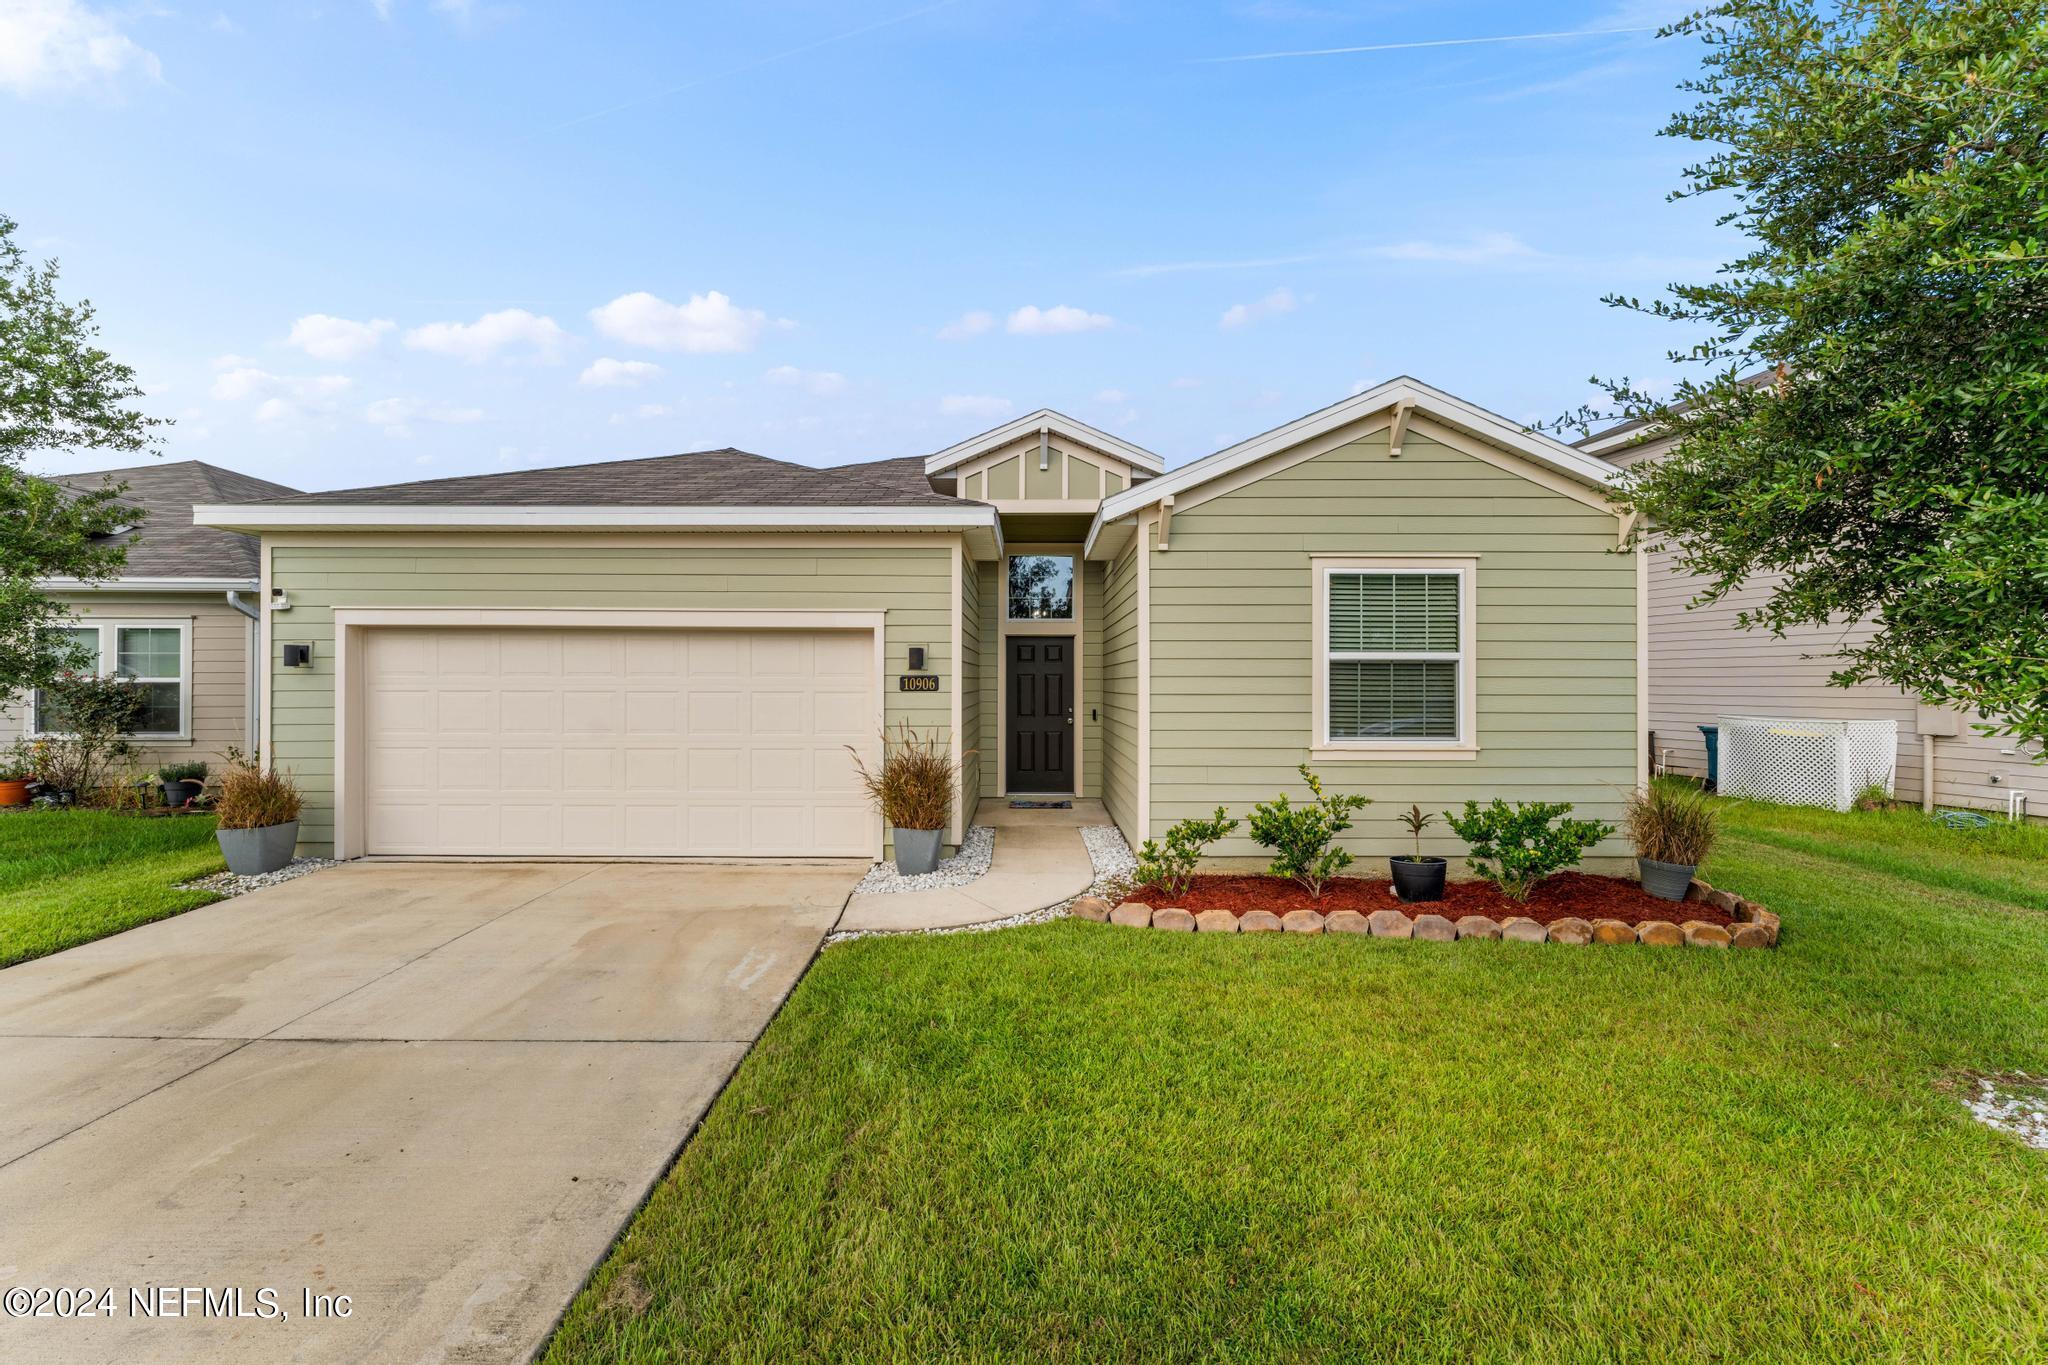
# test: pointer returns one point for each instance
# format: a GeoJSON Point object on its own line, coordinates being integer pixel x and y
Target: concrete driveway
{"type": "Point", "coordinates": [438, 1089]}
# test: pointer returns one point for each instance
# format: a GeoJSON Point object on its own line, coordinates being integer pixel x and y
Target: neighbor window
{"type": "Point", "coordinates": [156, 655]}
{"type": "Point", "coordinates": [1394, 655]}
{"type": "Point", "coordinates": [1041, 587]}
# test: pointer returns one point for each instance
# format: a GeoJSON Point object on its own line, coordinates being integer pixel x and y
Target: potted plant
{"type": "Point", "coordinates": [259, 819]}
{"type": "Point", "coordinates": [183, 782]}
{"type": "Point", "coordinates": [913, 789]}
{"type": "Point", "coordinates": [17, 774]}
{"type": "Point", "coordinates": [1417, 878]}
{"type": "Point", "coordinates": [1672, 826]}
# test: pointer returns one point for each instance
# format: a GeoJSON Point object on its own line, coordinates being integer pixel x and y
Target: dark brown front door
{"type": "Point", "coordinates": [1041, 713]}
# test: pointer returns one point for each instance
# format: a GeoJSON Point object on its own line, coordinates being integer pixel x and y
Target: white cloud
{"type": "Point", "coordinates": [973, 405]}
{"type": "Point", "coordinates": [280, 397]}
{"type": "Point", "coordinates": [969, 324]}
{"type": "Point", "coordinates": [512, 329]}
{"type": "Point", "coordinates": [817, 383]}
{"type": "Point", "coordinates": [1187, 381]}
{"type": "Point", "coordinates": [397, 415]}
{"type": "Point", "coordinates": [1033, 321]}
{"type": "Point", "coordinates": [607, 373]}
{"type": "Point", "coordinates": [1272, 306]}
{"type": "Point", "coordinates": [56, 45]}
{"type": "Point", "coordinates": [1112, 397]}
{"type": "Point", "coordinates": [330, 338]}
{"type": "Point", "coordinates": [644, 412]}
{"type": "Point", "coordinates": [708, 324]}
{"type": "Point", "coordinates": [1484, 248]}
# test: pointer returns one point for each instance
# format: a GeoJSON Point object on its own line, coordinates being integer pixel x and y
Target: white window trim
{"type": "Point", "coordinates": [1059, 624]}
{"type": "Point", "coordinates": [110, 638]}
{"type": "Point", "coordinates": [1466, 744]}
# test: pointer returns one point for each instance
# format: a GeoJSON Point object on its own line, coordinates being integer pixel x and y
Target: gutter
{"type": "Point", "coordinates": [253, 688]}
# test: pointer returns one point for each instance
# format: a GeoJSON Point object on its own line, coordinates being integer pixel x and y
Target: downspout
{"type": "Point", "coordinates": [1927, 773]}
{"type": "Point", "coordinates": [253, 691]}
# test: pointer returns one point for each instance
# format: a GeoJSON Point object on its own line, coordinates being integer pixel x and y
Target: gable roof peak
{"type": "Point", "coordinates": [1055, 422]}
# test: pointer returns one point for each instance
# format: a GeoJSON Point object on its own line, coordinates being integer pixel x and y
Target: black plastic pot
{"type": "Point", "coordinates": [1418, 879]}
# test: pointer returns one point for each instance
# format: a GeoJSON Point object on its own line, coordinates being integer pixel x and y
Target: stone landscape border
{"type": "Point", "coordinates": [1755, 927]}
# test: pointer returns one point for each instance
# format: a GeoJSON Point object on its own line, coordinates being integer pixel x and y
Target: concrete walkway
{"type": "Point", "coordinates": [1039, 861]}
{"type": "Point", "coordinates": [438, 1089]}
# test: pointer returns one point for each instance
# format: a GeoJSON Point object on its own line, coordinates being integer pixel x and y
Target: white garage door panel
{"type": "Point", "coordinates": [622, 743]}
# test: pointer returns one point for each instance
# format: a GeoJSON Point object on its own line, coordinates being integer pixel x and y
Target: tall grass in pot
{"type": "Point", "coordinates": [1672, 825]}
{"type": "Point", "coordinates": [259, 818]}
{"type": "Point", "coordinates": [913, 788]}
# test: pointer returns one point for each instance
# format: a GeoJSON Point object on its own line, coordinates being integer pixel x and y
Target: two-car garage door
{"type": "Point", "coordinates": [621, 743]}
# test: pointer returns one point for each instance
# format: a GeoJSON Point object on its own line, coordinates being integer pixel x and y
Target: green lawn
{"type": "Point", "coordinates": [1076, 1142]}
{"type": "Point", "coordinates": [67, 877]}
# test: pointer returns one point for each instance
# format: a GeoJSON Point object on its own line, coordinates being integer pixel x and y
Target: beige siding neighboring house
{"type": "Point", "coordinates": [1703, 665]}
{"type": "Point", "coordinates": [169, 618]}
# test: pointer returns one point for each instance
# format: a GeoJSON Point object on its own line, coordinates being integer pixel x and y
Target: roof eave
{"type": "Point", "coordinates": [144, 584]}
{"type": "Point", "coordinates": [1070, 428]}
{"type": "Point", "coordinates": [966, 518]}
{"type": "Point", "coordinates": [1446, 408]}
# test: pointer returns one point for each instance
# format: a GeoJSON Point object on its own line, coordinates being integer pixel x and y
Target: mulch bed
{"type": "Point", "coordinates": [1568, 894]}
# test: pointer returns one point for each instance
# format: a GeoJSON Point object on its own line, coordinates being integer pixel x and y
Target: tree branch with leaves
{"type": "Point", "coordinates": [1869, 436]}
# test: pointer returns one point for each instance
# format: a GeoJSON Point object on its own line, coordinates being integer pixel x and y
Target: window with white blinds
{"type": "Point", "coordinates": [1393, 656]}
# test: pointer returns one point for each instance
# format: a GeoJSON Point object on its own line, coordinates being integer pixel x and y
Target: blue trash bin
{"type": "Point", "coordinates": [1712, 733]}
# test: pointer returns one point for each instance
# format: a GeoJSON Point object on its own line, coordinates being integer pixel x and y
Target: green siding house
{"type": "Point", "coordinates": [682, 656]}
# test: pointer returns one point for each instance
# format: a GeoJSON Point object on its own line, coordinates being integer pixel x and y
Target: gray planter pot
{"type": "Point", "coordinates": [254, 852]}
{"type": "Point", "coordinates": [178, 793]}
{"type": "Point", "coordinates": [917, 850]}
{"type": "Point", "coordinates": [1665, 881]}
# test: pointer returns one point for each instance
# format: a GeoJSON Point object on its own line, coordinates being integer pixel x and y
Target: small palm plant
{"type": "Point", "coordinates": [1417, 878]}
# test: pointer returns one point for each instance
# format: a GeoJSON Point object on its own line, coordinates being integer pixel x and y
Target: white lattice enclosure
{"type": "Point", "coordinates": [1807, 762]}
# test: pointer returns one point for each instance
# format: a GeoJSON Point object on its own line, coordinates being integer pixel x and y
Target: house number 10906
{"type": "Point", "coordinates": [917, 682]}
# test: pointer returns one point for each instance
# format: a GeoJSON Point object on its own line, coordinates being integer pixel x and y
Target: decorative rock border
{"type": "Point", "coordinates": [1754, 927]}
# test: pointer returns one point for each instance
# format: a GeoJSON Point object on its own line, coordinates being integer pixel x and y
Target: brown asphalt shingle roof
{"type": "Point", "coordinates": [705, 478]}
{"type": "Point", "coordinates": [167, 544]}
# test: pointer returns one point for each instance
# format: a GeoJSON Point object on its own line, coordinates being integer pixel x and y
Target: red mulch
{"type": "Point", "coordinates": [1568, 894]}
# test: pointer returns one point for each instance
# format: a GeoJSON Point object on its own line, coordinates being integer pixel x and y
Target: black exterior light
{"type": "Point", "coordinates": [917, 658]}
{"type": "Point", "coordinates": [298, 656]}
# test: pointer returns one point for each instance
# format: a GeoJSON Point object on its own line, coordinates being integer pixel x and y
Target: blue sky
{"type": "Point", "coordinates": [351, 242]}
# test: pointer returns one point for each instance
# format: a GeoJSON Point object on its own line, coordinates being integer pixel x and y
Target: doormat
{"type": "Point", "coordinates": [1041, 805]}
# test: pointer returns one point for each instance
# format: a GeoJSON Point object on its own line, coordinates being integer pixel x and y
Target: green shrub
{"type": "Point", "coordinates": [1172, 868]}
{"type": "Point", "coordinates": [1672, 822]}
{"type": "Point", "coordinates": [1300, 836]}
{"type": "Point", "coordinates": [94, 715]}
{"type": "Point", "coordinates": [181, 772]}
{"type": "Point", "coordinates": [1515, 847]}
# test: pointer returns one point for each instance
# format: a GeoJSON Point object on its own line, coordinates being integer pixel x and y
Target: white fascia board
{"type": "Point", "coordinates": [148, 585]}
{"type": "Point", "coordinates": [1451, 411]}
{"type": "Point", "coordinates": [1056, 422]}
{"type": "Point", "coordinates": [256, 518]}
{"type": "Point", "coordinates": [1620, 438]}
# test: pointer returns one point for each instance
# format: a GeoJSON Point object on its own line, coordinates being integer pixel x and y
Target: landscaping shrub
{"type": "Point", "coordinates": [913, 788]}
{"type": "Point", "coordinates": [1300, 836]}
{"type": "Point", "coordinates": [1516, 847]}
{"type": "Point", "coordinates": [18, 762]}
{"type": "Point", "coordinates": [182, 772]}
{"type": "Point", "coordinates": [1672, 822]}
{"type": "Point", "coordinates": [95, 715]}
{"type": "Point", "coordinates": [254, 797]}
{"type": "Point", "coordinates": [1171, 868]}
